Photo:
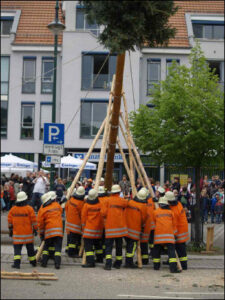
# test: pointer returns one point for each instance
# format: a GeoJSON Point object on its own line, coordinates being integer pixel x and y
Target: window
{"type": "Point", "coordinates": [4, 117]}
{"type": "Point", "coordinates": [6, 25]}
{"type": "Point", "coordinates": [27, 121]}
{"type": "Point", "coordinates": [29, 73]}
{"type": "Point", "coordinates": [47, 75]}
{"type": "Point", "coordinates": [4, 94]}
{"type": "Point", "coordinates": [82, 23]}
{"type": "Point", "coordinates": [45, 116]}
{"type": "Point", "coordinates": [153, 74]}
{"type": "Point", "coordinates": [219, 70]}
{"type": "Point", "coordinates": [94, 64]}
{"type": "Point", "coordinates": [4, 75]}
{"type": "Point", "coordinates": [208, 30]}
{"type": "Point", "coordinates": [169, 63]}
{"type": "Point", "coordinates": [92, 116]}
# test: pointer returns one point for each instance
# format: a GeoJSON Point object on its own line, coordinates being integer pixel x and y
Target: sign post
{"type": "Point", "coordinates": [53, 144]}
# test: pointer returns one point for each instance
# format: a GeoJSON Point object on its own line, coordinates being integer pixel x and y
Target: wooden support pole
{"type": "Point", "coordinates": [29, 277]}
{"type": "Point", "coordinates": [134, 160]}
{"type": "Point", "coordinates": [105, 138]}
{"type": "Point", "coordinates": [140, 164]}
{"type": "Point", "coordinates": [134, 190]}
{"type": "Point", "coordinates": [26, 274]}
{"type": "Point", "coordinates": [124, 158]}
{"type": "Point", "coordinates": [210, 237]}
{"type": "Point", "coordinates": [70, 190]}
{"type": "Point", "coordinates": [38, 255]}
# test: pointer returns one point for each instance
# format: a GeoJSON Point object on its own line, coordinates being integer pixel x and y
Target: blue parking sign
{"type": "Point", "coordinates": [54, 133]}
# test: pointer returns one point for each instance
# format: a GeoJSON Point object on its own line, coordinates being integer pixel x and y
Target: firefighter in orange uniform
{"type": "Point", "coordinates": [92, 227]}
{"type": "Point", "coordinates": [73, 210]}
{"type": "Point", "coordinates": [148, 232]}
{"type": "Point", "coordinates": [182, 235]}
{"type": "Point", "coordinates": [115, 226]}
{"type": "Point", "coordinates": [136, 216]}
{"type": "Point", "coordinates": [50, 228]}
{"type": "Point", "coordinates": [103, 198]}
{"type": "Point", "coordinates": [22, 224]}
{"type": "Point", "coordinates": [165, 229]}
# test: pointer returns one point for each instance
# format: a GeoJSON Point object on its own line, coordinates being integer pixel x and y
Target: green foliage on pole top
{"type": "Point", "coordinates": [131, 23]}
{"type": "Point", "coordinates": [186, 125]}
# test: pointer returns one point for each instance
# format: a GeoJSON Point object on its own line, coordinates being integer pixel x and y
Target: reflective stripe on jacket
{"type": "Point", "coordinates": [181, 222]}
{"type": "Point", "coordinates": [23, 220]}
{"type": "Point", "coordinates": [73, 210]}
{"type": "Point", "coordinates": [50, 220]}
{"type": "Point", "coordinates": [165, 227]}
{"type": "Point", "coordinates": [114, 214]}
{"type": "Point", "coordinates": [136, 215]}
{"type": "Point", "coordinates": [149, 224]}
{"type": "Point", "coordinates": [92, 220]}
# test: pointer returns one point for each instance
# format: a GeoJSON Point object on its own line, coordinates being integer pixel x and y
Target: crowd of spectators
{"type": "Point", "coordinates": [37, 183]}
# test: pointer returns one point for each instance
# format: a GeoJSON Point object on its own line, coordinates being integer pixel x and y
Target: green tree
{"type": "Point", "coordinates": [128, 24]}
{"type": "Point", "coordinates": [186, 125]}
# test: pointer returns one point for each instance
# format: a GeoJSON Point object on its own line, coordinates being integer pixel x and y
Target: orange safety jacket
{"type": "Point", "coordinates": [165, 226]}
{"type": "Point", "coordinates": [73, 210]}
{"type": "Point", "coordinates": [181, 222]}
{"type": "Point", "coordinates": [149, 224]}
{"type": "Point", "coordinates": [114, 214]}
{"type": "Point", "coordinates": [136, 215]}
{"type": "Point", "coordinates": [92, 221]}
{"type": "Point", "coordinates": [50, 220]}
{"type": "Point", "coordinates": [22, 220]}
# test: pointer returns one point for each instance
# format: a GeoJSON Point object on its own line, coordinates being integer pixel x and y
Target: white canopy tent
{"type": "Point", "coordinates": [14, 164]}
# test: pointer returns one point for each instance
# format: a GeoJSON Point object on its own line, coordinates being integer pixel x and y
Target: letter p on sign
{"type": "Point", "coordinates": [53, 132]}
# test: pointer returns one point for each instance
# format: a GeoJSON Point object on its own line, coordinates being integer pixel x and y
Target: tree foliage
{"type": "Point", "coordinates": [131, 23]}
{"type": "Point", "coordinates": [186, 124]}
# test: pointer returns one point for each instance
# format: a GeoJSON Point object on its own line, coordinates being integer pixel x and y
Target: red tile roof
{"type": "Point", "coordinates": [179, 22]}
{"type": "Point", "coordinates": [35, 16]}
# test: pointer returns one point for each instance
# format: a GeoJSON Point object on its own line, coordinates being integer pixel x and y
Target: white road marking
{"type": "Point", "coordinates": [194, 293]}
{"type": "Point", "coordinates": [154, 297]}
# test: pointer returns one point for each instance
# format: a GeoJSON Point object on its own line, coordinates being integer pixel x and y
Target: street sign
{"type": "Point", "coordinates": [53, 149]}
{"type": "Point", "coordinates": [53, 139]}
{"type": "Point", "coordinates": [54, 133]}
{"type": "Point", "coordinates": [53, 159]}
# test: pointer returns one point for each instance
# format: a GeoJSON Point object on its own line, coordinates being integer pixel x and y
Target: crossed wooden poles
{"type": "Point", "coordinates": [134, 157]}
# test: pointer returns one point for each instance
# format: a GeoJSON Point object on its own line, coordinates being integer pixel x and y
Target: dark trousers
{"type": "Point", "coordinates": [130, 250]}
{"type": "Point", "coordinates": [182, 254]}
{"type": "Point", "coordinates": [108, 250]}
{"type": "Point", "coordinates": [30, 254]}
{"type": "Point", "coordinates": [36, 201]}
{"type": "Point", "coordinates": [74, 243]}
{"type": "Point", "coordinates": [52, 242]}
{"type": "Point", "coordinates": [144, 253]}
{"type": "Point", "coordinates": [151, 242]}
{"type": "Point", "coordinates": [89, 246]}
{"type": "Point", "coordinates": [171, 253]}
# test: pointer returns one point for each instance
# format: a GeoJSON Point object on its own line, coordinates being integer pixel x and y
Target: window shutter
{"type": "Point", "coordinates": [87, 71]}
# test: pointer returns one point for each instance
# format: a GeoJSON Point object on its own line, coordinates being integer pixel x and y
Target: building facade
{"type": "Point", "coordinates": [84, 73]}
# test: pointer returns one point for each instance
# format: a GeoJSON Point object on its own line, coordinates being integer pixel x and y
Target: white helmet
{"type": "Point", "coordinates": [52, 195]}
{"type": "Point", "coordinates": [101, 190]}
{"type": "Point", "coordinates": [92, 194]}
{"type": "Point", "coordinates": [45, 198]}
{"type": "Point", "coordinates": [142, 195]}
{"type": "Point", "coordinates": [102, 179]}
{"type": "Point", "coordinates": [80, 191]}
{"type": "Point", "coordinates": [170, 196]}
{"type": "Point", "coordinates": [161, 190]}
{"type": "Point", "coordinates": [21, 196]}
{"type": "Point", "coordinates": [163, 200]}
{"type": "Point", "coordinates": [115, 189]}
